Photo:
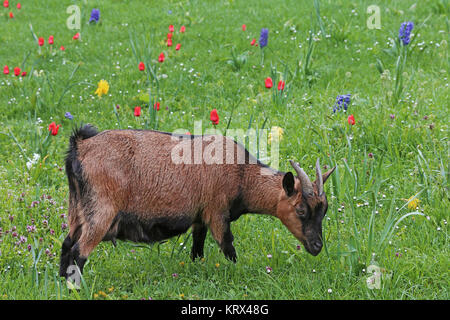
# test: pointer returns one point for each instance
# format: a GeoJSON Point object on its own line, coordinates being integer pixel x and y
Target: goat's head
{"type": "Point", "coordinates": [302, 206]}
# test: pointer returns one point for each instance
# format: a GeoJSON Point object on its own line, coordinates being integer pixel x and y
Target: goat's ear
{"type": "Point", "coordinates": [327, 174]}
{"type": "Point", "coordinates": [288, 183]}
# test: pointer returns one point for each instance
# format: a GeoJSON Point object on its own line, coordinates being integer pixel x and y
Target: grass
{"type": "Point", "coordinates": [397, 149]}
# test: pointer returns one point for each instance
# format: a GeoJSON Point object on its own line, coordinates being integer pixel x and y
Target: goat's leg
{"type": "Point", "coordinates": [221, 232]}
{"type": "Point", "coordinates": [199, 231]}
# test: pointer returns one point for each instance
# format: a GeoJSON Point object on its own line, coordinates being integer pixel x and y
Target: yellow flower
{"type": "Point", "coordinates": [276, 130]}
{"type": "Point", "coordinates": [102, 293]}
{"type": "Point", "coordinates": [413, 203]}
{"type": "Point", "coordinates": [95, 296]}
{"type": "Point", "coordinates": [182, 263]}
{"type": "Point", "coordinates": [217, 265]}
{"type": "Point", "coordinates": [182, 295]}
{"type": "Point", "coordinates": [111, 289]}
{"type": "Point", "coordinates": [103, 88]}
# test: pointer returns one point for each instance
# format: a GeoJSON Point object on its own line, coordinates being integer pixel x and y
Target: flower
{"type": "Point", "coordinates": [62, 48]}
{"type": "Point", "coordinates": [53, 128]}
{"type": "Point", "coordinates": [169, 35]}
{"type": "Point", "coordinates": [103, 88]}
{"type": "Point", "coordinates": [279, 132]}
{"type": "Point", "coordinates": [156, 106]}
{"type": "Point", "coordinates": [171, 28]}
{"type": "Point", "coordinates": [405, 32]}
{"type": "Point", "coordinates": [76, 36]}
{"type": "Point", "coordinates": [24, 73]}
{"type": "Point", "coordinates": [182, 29]}
{"type": "Point", "coordinates": [137, 111]}
{"type": "Point", "coordinates": [50, 40]}
{"type": "Point", "coordinates": [68, 115]}
{"type": "Point", "coordinates": [244, 27]}
{"type": "Point", "coordinates": [175, 275]}
{"type": "Point", "coordinates": [253, 42]}
{"type": "Point", "coordinates": [268, 82]}
{"type": "Point", "coordinates": [6, 3]}
{"type": "Point", "coordinates": [141, 66]}
{"type": "Point", "coordinates": [392, 116]}
{"type": "Point", "coordinates": [178, 46]}
{"type": "Point", "coordinates": [214, 117]}
{"type": "Point", "coordinates": [413, 203]}
{"type": "Point", "coordinates": [217, 265]}
{"type": "Point", "coordinates": [342, 101]}
{"type": "Point", "coordinates": [5, 70]}
{"type": "Point", "coordinates": [351, 119]}
{"type": "Point", "coordinates": [263, 38]}
{"type": "Point", "coordinates": [281, 85]}
{"type": "Point", "coordinates": [11, 15]}
{"type": "Point", "coordinates": [41, 41]}
{"type": "Point", "coordinates": [161, 57]}
{"type": "Point", "coordinates": [19, 6]}
{"type": "Point", "coordinates": [95, 15]}
{"type": "Point", "coordinates": [169, 42]}
{"type": "Point", "coordinates": [268, 269]}
{"type": "Point", "coordinates": [17, 71]}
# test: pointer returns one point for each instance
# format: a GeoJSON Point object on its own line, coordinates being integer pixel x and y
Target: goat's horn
{"type": "Point", "coordinates": [304, 179]}
{"type": "Point", "coordinates": [319, 178]}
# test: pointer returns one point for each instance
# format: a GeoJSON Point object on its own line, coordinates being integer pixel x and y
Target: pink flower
{"type": "Point", "coordinates": [17, 71]}
{"type": "Point", "coordinates": [244, 27]}
{"type": "Point", "coordinates": [281, 85]}
{"type": "Point", "coordinates": [253, 42]}
{"type": "Point", "coordinates": [41, 41]}
{"type": "Point", "coordinates": [182, 29]}
{"type": "Point", "coordinates": [161, 57]}
{"type": "Point", "coordinates": [178, 46]}
{"type": "Point", "coordinates": [76, 36]}
{"type": "Point", "coordinates": [268, 82]}
{"type": "Point", "coordinates": [141, 66]}
{"type": "Point", "coordinates": [214, 117]}
{"type": "Point", "coordinates": [50, 40]}
{"type": "Point", "coordinates": [171, 28]}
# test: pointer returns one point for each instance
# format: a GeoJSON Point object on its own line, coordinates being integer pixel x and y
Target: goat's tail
{"type": "Point", "coordinates": [73, 165]}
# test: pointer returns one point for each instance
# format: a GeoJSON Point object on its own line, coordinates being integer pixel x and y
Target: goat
{"type": "Point", "coordinates": [124, 185]}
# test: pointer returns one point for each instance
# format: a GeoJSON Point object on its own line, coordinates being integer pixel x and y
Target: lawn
{"type": "Point", "coordinates": [388, 198]}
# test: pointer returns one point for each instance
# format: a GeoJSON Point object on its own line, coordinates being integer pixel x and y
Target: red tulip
{"type": "Point", "coordinates": [5, 70]}
{"type": "Point", "coordinates": [161, 57]}
{"type": "Point", "coordinates": [214, 117]}
{"type": "Point", "coordinates": [11, 15]}
{"type": "Point", "coordinates": [182, 29]}
{"type": "Point", "coordinates": [76, 36]}
{"type": "Point", "coordinates": [41, 41]}
{"type": "Point", "coordinates": [6, 3]}
{"type": "Point", "coordinates": [53, 128]}
{"type": "Point", "coordinates": [169, 35]}
{"type": "Point", "coordinates": [141, 66]}
{"type": "Point", "coordinates": [169, 42]}
{"type": "Point", "coordinates": [19, 6]}
{"type": "Point", "coordinates": [17, 71]}
{"type": "Point", "coordinates": [244, 27]}
{"type": "Point", "coordinates": [137, 111]}
{"type": "Point", "coordinates": [50, 40]}
{"type": "Point", "coordinates": [62, 48]}
{"type": "Point", "coordinates": [178, 46]}
{"type": "Point", "coordinates": [24, 74]}
{"type": "Point", "coordinates": [281, 85]}
{"type": "Point", "coordinates": [269, 83]}
{"type": "Point", "coordinates": [351, 119]}
{"type": "Point", "coordinates": [171, 29]}
{"type": "Point", "coordinates": [156, 106]}
{"type": "Point", "coordinates": [253, 42]}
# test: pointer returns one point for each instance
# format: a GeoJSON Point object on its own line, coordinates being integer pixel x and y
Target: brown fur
{"type": "Point", "coordinates": [131, 172]}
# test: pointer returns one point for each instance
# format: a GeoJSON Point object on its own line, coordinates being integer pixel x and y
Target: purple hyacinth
{"type": "Point", "coordinates": [263, 38]}
{"type": "Point", "coordinates": [405, 32]}
{"type": "Point", "coordinates": [95, 15]}
{"type": "Point", "coordinates": [342, 101]}
{"type": "Point", "coordinates": [68, 115]}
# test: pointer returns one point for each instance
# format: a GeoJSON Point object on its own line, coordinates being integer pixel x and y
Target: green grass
{"type": "Point", "coordinates": [381, 162]}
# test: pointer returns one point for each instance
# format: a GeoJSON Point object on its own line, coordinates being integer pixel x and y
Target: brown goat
{"type": "Point", "coordinates": [124, 184]}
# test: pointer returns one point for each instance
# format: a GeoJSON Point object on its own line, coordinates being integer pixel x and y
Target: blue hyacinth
{"type": "Point", "coordinates": [68, 115]}
{"type": "Point", "coordinates": [342, 101]}
{"type": "Point", "coordinates": [405, 32]}
{"type": "Point", "coordinates": [95, 15]}
{"type": "Point", "coordinates": [263, 38]}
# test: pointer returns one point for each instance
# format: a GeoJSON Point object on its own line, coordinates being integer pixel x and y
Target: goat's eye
{"type": "Point", "coordinates": [300, 212]}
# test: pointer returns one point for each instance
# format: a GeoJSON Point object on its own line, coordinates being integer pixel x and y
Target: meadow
{"type": "Point", "coordinates": [353, 93]}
